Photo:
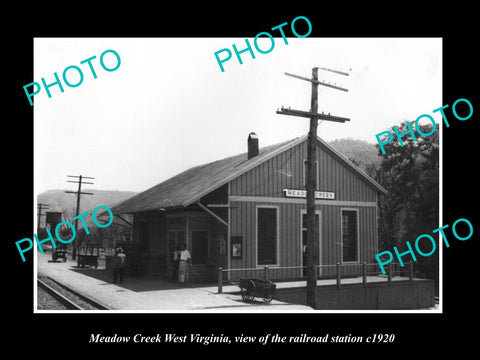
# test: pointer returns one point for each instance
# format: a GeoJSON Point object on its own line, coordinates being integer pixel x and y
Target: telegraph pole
{"type": "Point", "coordinates": [79, 193]}
{"type": "Point", "coordinates": [312, 249]}
{"type": "Point", "coordinates": [40, 207]}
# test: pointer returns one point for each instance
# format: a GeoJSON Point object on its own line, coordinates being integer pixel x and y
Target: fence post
{"type": "Point", "coordinates": [389, 270]}
{"type": "Point", "coordinates": [338, 276]}
{"type": "Point", "coordinates": [265, 273]}
{"type": "Point", "coordinates": [411, 272]}
{"type": "Point", "coordinates": [364, 274]}
{"type": "Point", "coordinates": [220, 280]}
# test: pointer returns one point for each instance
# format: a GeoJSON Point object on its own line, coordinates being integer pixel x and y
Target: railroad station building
{"type": "Point", "coordinates": [249, 211]}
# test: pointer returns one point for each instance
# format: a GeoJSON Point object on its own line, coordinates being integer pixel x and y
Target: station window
{"type": "Point", "coordinates": [267, 236]}
{"type": "Point", "coordinates": [350, 235]}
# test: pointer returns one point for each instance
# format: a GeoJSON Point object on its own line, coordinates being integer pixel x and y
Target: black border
{"type": "Point", "coordinates": [414, 332]}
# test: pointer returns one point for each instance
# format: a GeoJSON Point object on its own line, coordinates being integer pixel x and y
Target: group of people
{"type": "Point", "coordinates": [181, 260]}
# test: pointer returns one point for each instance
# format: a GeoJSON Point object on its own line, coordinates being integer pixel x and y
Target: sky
{"type": "Point", "coordinates": [169, 107]}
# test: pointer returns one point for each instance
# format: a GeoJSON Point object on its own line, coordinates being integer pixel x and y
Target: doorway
{"type": "Point", "coordinates": [199, 247]}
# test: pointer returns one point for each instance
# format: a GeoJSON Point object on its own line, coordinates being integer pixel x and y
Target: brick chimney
{"type": "Point", "coordinates": [252, 145]}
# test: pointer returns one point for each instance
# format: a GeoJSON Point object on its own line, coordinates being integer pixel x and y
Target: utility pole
{"type": "Point", "coordinates": [312, 250]}
{"type": "Point", "coordinates": [79, 193]}
{"type": "Point", "coordinates": [40, 207]}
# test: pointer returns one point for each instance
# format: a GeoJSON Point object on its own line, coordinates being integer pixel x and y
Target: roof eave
{"type": "Point", "coordinates": [354, 167]}
{"type": "Point", "coordinates": [258, 160]}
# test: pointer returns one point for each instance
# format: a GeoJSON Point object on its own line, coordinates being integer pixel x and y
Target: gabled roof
{"type": "Point", "coordinates": [189, 186]}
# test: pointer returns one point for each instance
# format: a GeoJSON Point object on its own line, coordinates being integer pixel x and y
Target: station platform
{"type": "Point", "coordinates": [150, 294]}
{"type": "Point", "coordinates": [147, 294]}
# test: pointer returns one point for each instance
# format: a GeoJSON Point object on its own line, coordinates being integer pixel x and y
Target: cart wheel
{"type": "Point", "coordinates": [267, 296]}
{"type": "Point", "coordinates": [247, 291]}
{"type": "Point", "coordinates": [246, 296]}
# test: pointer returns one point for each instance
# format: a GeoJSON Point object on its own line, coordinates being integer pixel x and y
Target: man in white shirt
{"type": "Point", "coordinates": [183, 265]}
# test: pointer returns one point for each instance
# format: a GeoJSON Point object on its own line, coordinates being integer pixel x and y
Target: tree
{"type": "Point", "coordinates": [410, 174]}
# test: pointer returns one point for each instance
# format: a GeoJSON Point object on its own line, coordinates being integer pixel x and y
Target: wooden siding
{"type": "Point", "coordinates": [286, 171]}
{"type": "Point", "coordinates": [243, 223]}
{"type": "Point", "coordinates": [155, 224]}
{"type": "Point", "coordinates": [401, 295]}
{"type": "Point", "coordinates": [262, 184]}
{"type": "Point", "coordinates": [267, 181]}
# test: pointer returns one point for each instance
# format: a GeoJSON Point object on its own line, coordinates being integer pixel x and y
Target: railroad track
{"type": "Point", "coordinates": [67, 298]}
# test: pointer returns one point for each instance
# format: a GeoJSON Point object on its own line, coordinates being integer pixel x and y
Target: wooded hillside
{"type": "Point", "coordinates": [410, 174]}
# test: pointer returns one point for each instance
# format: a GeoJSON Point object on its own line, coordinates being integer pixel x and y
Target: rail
{"type": "Point", "coordinates": [69, 303]}
{"type": "Point", "coordinates": [338, 271]}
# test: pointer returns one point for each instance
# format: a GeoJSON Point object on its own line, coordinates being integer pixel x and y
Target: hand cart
{"type": "Point", "coordinates": [256, 287]}
{"type": "Point", "coordinates": [88, 255]}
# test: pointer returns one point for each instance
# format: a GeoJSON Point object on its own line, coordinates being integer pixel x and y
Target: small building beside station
{"type": "Point", "coordinates": [249, 211]}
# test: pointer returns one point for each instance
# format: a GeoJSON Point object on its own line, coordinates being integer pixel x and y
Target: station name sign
{"type": "Point", "coordinates": [303, 194]}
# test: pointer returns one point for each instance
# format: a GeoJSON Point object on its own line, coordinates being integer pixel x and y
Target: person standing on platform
{"type": "Point", "coordinates": [119, 265]}
{"type": "Point", "coordinates": [176, 262]}
{"type": "Point", "coordinates": [183, 265]}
